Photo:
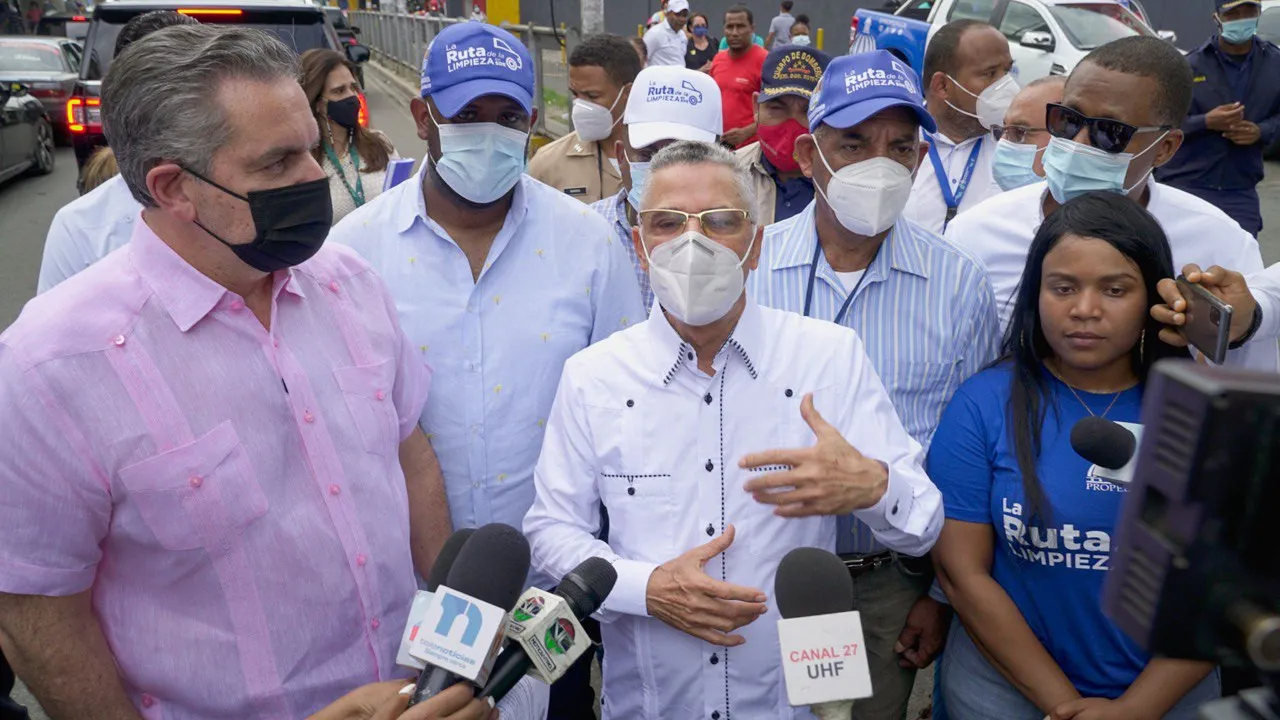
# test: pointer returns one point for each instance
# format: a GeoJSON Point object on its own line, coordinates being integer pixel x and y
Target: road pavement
{"type": "Point", "coordinates": [27, 206]}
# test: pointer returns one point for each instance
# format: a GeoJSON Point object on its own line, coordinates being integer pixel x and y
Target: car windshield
{"type": "Point", "coordinates": [1092, 25]}
{"type": "Point", "coordinates": [336, 17]}
{"type": "Point", "coordinates": [1269, 24]}
{"type": "Point", "coordinates": [301, 31]}
{"type": "Point", "coordinates": [29, 56]}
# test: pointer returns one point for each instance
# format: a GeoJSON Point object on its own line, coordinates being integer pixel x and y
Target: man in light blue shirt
{"type": "Point", "coordinates": [923, 308]}
{"type": "Point", "coordinates": [497, 278]}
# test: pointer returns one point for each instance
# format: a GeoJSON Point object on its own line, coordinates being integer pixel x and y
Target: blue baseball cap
{"type": "Point", "coordinates": [471, 59]}
{"type": "Point", "coordinates": [1223, 5]}
{"type": "Point", "coordinates": [792, 70]}
{"type": "Point", "coordinates": [856, 87]}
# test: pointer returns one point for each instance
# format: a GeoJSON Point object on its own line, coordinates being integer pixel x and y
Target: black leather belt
{"type": "Point", "coordinates": [859, 565]}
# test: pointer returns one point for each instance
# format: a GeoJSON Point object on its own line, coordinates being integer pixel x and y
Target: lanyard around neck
{"type": "Point", "coordinates": [813, 274]}
{"type": "Point", "coordinates": [357, 194]}
{"type": "Point", "coordinates": [953, 200]}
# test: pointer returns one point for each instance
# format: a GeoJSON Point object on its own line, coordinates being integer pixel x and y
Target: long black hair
{"type": "Point", "coordinates": [1131, 230]}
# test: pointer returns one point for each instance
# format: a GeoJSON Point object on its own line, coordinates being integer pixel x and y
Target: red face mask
{"type": "Point", "coordinates": [779, 143]}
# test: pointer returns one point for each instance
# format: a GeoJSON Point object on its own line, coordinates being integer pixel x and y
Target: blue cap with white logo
{"type": "Point", "coordinates": [471, 59]}
{"type": "Point", "coordinates": [856, 87]}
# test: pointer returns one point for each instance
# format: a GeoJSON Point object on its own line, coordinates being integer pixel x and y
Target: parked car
{"type": "Point", "coordinates": [1046, 37]}
{"type": "Point", "coordinates": [48, 67]}
{"type": "Point", "coordinates": [72, 26]}
{"type": "Point", "coordinates": [298, 23]}
{"type": "Point", "coordinates": [346, 34]}
{"type": "Point", "coordinates": [26, 136]}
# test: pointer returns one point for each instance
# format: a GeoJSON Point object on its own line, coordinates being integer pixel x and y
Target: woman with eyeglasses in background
{"type": "Point", "coordinates": [354, 157]}
{"type": "Point", "coordinates": [1027, 540]}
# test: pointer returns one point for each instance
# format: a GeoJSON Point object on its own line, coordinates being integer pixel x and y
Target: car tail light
{"type": "Point", "coordinates": [79, 18]}
{"type": "Point", "coordinates": [84, 114]}
{"type": "Point", "coordinates": [853, 29]}
{"type": "Point", "coordinates": [351, 41]}
{"type": "Point", "coordinates": [363, 117]}
{"type": "Point", "coordinates": [210, 11]}
{"type": "Point", "coordinates": [47, 90]}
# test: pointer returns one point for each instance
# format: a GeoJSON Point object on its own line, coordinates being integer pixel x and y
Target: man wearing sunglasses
{"type": "Point", "coordinates": [671, 424]}
{"type": "Point", "coordinates": [1022, 139]}
{"type": "Point", "coordinates": [968, 86]}
{"type": "Point", "coordinates": [1235, 115]}
{"type": "Point", "coordinates": [1119, 119]}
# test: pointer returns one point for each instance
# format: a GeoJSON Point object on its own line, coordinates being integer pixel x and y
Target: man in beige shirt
{"type": "Point", "coordinates": [789, 77]}
{"type": "Point", "coordinates": [583, 164]}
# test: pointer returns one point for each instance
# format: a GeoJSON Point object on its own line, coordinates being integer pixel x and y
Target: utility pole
{"type": "Point", "coordinates": [592, 17]}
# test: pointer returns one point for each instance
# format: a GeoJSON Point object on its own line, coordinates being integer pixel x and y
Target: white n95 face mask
{"type": "Point", "coordinates": [869, 196]}
{"type": "Point", "coordinates": [593, 122]}
{"type": "Point", "coordinates": [993, 102]}
{"type": "Point", "coordinates": [696, 279]}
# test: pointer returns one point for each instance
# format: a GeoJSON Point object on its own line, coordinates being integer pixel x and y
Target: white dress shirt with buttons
{"type": "Point", "coordinates": [1265, 286]}
{"type": "Point", "coordinates": [636, 425]}
{"type": "Point", "coordinates": [556, 280]}
{"type": "Point", "coordinates": [86, 229]}
{"type": "Point", "coordinates": [665, 46]}
{"type": "Point", "coordinates": [926, 208]}
{"type": "Point", "coordinates": [1000, 231]}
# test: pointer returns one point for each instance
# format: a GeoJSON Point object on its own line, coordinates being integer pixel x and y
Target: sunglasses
{"type": "Point", "coordinates": [1015, 133]}
{"type": "Point", "coordinates": [1109, 136]}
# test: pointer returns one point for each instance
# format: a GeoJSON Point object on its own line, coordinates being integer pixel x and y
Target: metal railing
{"type": "Point", "coordinates": [400, 41]}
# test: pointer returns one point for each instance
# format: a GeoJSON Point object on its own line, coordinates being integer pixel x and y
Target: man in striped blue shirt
{"type": "Point", "coordinates": [924, 309]}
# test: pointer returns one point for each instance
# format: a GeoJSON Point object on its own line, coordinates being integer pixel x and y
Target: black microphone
{"type": "Point", "coordinates": [583, 590]}
{"type": "Point", "coordinates": [1103, 442]}
{"type": "Point", "coordinates": [818, 634]}
{"type": "Point", "coordinates": [490, 569]}
{"type": "Point", "coordinates": [448, 554]}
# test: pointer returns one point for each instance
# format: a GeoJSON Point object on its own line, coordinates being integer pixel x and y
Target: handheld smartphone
{"type": "Point", "coordinates": [1208, 325]}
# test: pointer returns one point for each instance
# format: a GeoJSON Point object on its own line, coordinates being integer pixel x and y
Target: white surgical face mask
{"type": "Point", "coordinates": [993, 102]}
{"type": "Point", "coordinates": [481, 161]}
{"type": "Point", "coordinates": [696, 279]}
{"type": "Point", "coordinates": [801, 40]}
{"type": "Point", "coordinates": [867, 197]}
{"type": "Point", "coordinates": [593, 122]}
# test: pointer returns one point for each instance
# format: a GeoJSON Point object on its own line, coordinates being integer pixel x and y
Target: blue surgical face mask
{"type": "Point", "coordinates": [1239, 32]}
{"type": "Point", "coordinates": [481, 161]}
{"type": "Point", "coordinates": [1073, 169]}
{"type": "Point", "coordinates": [639, 174]}
{"type": "Point", "coordinates": [1014, 164]}
{"type": "Point", "coordinates": [700, 31]}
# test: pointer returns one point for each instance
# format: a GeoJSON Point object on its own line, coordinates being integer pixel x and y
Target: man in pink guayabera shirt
{"type": "Point", "coordinates": [213, 494]}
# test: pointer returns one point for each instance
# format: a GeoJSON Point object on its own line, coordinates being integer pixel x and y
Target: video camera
{"type": "Point", "coordinates": [1197, 571]}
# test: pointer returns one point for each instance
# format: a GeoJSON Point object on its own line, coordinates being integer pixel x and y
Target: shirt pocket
{"type": "Point", "coordinates": [635, 484]}
{"type": "Point", "coordinates": [367, 390]}
{"type": "Point", "coordinates": [199, 494]}
{"type": "Point", "coordinates": [919, 391]}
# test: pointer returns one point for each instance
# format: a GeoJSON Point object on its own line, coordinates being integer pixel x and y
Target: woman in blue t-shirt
{"type": "Point", "coordinates": [1027, 539]}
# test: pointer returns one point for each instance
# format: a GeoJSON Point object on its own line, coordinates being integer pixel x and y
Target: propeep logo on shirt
{"type": "Point", "coordinates": [1065, 546]}
{"type": "Point", "coordinates": [686, 94]}
{"type": "Point", "coordinates": [875, 77]}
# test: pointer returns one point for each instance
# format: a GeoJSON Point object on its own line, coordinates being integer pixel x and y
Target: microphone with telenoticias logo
{"type": "Point", "coordinates": [462, 629]}
{"type": "Point", "coordinates": [546, 629]}
{"type": "Point", "coordinates": [1107, 444]}
{"type": "Point", "coordinates": [824, 659]}
{"type": "Point", "coordinates": [422, 599]}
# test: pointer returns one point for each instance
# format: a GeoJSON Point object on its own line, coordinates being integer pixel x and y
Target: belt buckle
{"type": "Point", "coordinates": [867, 563]}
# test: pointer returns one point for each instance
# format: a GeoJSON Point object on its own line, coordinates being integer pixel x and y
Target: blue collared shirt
{"type": "Point", "coordinates": [924, 309]}
{"type": "Point", "coordinates": [614, 210]}
{"type": "Point", "coordinates": [554, 282]}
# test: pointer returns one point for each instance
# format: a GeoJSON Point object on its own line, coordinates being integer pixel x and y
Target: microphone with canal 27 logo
{"type": "Point", "coordinates": [824, 658]}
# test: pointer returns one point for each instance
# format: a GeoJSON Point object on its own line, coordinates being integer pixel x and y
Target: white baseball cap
{"type": "Point", "coordinates": [673, 103]}
{"type": "Point", "coordinates": [676, 6]}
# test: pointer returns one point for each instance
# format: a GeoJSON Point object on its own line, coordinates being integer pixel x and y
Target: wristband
{"type": "Point", "coordinates": [1253, 329]}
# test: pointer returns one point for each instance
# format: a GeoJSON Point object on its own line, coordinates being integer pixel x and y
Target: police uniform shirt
{"type": "Point", "coordinates": [579, 169]}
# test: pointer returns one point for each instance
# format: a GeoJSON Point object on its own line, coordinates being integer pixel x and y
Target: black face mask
{"type": "Point", "coordinates": [345, 112]}
{"type": "Point", "coordinates": [290, 222]}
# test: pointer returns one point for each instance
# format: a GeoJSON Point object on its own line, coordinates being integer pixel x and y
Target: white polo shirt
{"type": "Point", "coordinates": [665, 46]}
{"type": "Point", "coordinates": [1265, 286]}
{"type": "Point", "coordinates": [999, 233]}
{"type": "Point", "coordinates": [927, 208]}
{"type": "Point", "coordinates": [86, 229]}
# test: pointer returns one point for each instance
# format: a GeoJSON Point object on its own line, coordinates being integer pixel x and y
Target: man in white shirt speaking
{"type": "Point", "coordinates": [1120, 118]}
{"type": "Point", "coordinates": [675, 424]}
